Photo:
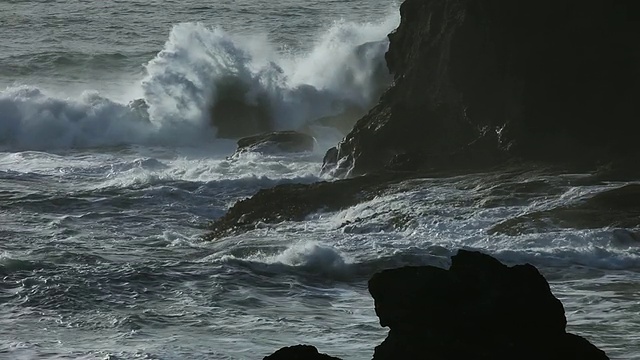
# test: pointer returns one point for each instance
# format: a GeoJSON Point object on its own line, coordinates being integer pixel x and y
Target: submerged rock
{"type": "Point", "coordinates": [140, 108]}
{"type": "Point", "coordinates": [299, 352]}
{"type": "Point", "coordinates": [277, 141]}
{"type": "Point", "coordinates": [618, 208]}
{"type": "Point", "coordinates": [478, 81]}
{"type": "Point", "coordinates": [626, 238]}
{"type": "Point", "coordinates": [478, 309]}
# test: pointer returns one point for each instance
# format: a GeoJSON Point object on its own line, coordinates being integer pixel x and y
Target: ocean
{"type": "Point", "coordinates": [104, 201]}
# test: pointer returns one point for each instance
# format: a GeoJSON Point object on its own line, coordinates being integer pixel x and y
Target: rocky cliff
{"type": "Point", "coordinates": [480, 81]}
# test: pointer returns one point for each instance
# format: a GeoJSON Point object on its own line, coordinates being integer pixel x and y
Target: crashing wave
{"type": "Point", "coordinates": [206, 77]}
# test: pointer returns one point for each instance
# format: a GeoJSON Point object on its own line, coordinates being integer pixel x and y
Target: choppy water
{"type": "Point", "coordinates": [102, 205]}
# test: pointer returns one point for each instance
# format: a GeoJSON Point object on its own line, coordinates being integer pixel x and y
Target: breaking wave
{"type": "Point", "coordinates": [206, 83]}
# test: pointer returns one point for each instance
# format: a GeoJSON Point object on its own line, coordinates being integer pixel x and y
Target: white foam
{"type": "Point", "coordinates": [436, 214]}
{"type": "Point", "coordinates": [30, 119]}
{"type": "Point", "coordinates": [311, 255]}
{"type": "Point", "coordinates": [186, 78]}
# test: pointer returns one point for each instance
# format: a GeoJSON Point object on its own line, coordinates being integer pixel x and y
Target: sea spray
{"type": "Point", "coordinates": [32, 120]}
{"type": "Point", "coordinates": [204, 73]}
{"type": "Point", "coordinates": [200, 65]}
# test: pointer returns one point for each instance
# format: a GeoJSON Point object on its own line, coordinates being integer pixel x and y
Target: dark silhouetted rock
{"type": "Point", "coordinates": [478, 81]}
{"type": "Point", "coordinates": [277, 141]}
{"type": "Point", "coordinates": [478, 309]}
{"type": "Point", "coordinates": [299, 352]}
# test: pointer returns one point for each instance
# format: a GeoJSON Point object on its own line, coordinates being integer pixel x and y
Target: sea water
{"type": "Point", "coordinates": [103, 202]}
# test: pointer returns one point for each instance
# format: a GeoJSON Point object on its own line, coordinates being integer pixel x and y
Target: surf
{"type": "Point", "coordinates": [206, 84]}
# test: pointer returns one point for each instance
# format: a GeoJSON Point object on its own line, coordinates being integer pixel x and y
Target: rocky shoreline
{"type": "Point", "coordinates": [479, 86]}
{"type": "Point", "coordinates": [477, 309]}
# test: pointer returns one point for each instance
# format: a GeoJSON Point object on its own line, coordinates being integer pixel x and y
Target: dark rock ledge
{"type": "Point", "coordinates": [294, 202]}
{"type": "Point", "coordinates": [477, 309]}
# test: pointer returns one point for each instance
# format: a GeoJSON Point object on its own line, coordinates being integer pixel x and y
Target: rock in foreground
{"type": "Point", "coordinates": [479, 309]}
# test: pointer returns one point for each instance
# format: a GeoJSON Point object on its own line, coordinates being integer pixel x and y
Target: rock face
{"type": "Point", "coordinates": [478, 309]}
{"type": "Point", "coordinates": [278, 141]}
{"type": "Point", "coordinates": [476, 81]}
{"type": "Point", "coordinates": [299, 352]}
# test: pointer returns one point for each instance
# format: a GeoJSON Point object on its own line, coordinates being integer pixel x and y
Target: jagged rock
{"type": "Point", "coordinates": [299, 352]}
{"type": "Point", "coordinates": [478, 309]}
{"type": "Point", "coordinates": [476, 81]}
{"type": "Point", "coordinates": [277, 141]}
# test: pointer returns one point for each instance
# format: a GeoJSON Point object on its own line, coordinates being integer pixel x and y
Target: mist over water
{"type": "Point", "coordinates": [110, 169]}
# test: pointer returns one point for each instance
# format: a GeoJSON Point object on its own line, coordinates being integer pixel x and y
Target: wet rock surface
{"type": "Point", "coordinates": [233, 116]}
